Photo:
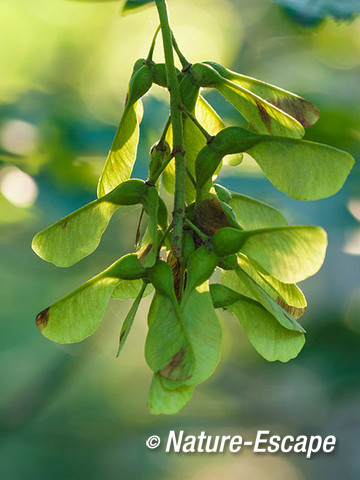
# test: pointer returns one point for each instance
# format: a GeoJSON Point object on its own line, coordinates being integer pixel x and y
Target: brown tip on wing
{"type": "Point", "coordinates": [303, 111]}
{"type": "Point", "coordinates": [42, 319]}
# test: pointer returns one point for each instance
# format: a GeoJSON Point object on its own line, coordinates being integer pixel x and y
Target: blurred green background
{"type": "Point", "coordinates": [75, 412]}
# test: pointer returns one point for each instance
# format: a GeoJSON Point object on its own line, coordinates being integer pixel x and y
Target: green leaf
{"type": "Point", "coordinates": [291, 254]}
{"type": "Point", "coordinates": [168, 350]}
{"type": "Point", "coordinates": [204, 332]}
{"type": "Point", "coordinates": [297, 107]}
{"type": "Point", "coordinates": [122, 155]}
{"type": "Point", "coordinates": [253, 214]}
{"type": "Point", "coordinates": [303, 170]}
{"type": "Point", "coordinates": [129, 319]}
{"type": "Point", "coordinates": [75, 236]}
{"type": "Point", "coordinates": [129, 289]}
{"type": "Point", "coordinates": [165, 401]}
{"type": "Point", "coordinates": [268, 337]}
{"type": "Point", "coordinates": [79, 314]}
{"type": "Point", "coordinates": [256, 292]}
{"type": "Point", "coordinates": [131, 5]}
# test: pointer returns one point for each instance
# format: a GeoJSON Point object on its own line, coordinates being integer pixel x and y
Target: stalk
{"type": "Point", "coordinates": [178, 135]}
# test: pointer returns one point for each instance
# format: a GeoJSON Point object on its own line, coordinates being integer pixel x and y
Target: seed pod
{"type": "Point", "coordinates": [189, 92]}
{"type": "Point", "coordinates": [228, 141]}
{"type": "Point", "coordinates": [228, 240]}
{"type": "Point", "coordinates": [205, 165]}
{"type": "Point", "coordinates": [158, 71]}
{"type": "Point", "coordinates": [205, 75]}
{"type": "Point", "coordinates": [127, 193]}
{"type": "Point", "coordinates": [140, 84]}
{"type": "Point", "coordinates": [200, 267]}
{"type": "Point", "coordinates": [158, 154]}
{"type": "Point", "coordinates": [137, 65]}
{"type": "Point", "coordinates": [161, 277]}
{"type": "Point", "coordinates": [127, 268]}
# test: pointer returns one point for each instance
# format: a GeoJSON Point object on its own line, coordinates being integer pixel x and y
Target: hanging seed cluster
{"type": "Point", "coordinates": [260, 256]}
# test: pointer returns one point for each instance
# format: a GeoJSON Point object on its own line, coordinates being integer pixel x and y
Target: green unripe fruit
{"type": "Point", "coordinates": [205, 75]}
{"type": "Point", "coordinates": [140, 84]}
{"type": "Point", "coordinates": [200, 267]}
{"type": "Point", "coordinates": [230, 140]}
{"type": "Point", "coordinates": [228, 240]}
{"type": "Point", "coordinates": [206, 163]}
{"type": "Point", "coordinates": [158, 154]}
{"type": "Point", "coordinates": [127, 193]}
{"type": "Point", "coordinates": [189, 92]}
{"type": "Point", "coordinates": [137, 65]}
{"type": "Point", "coordinates": [160, 275]}
{"type": "Point", "coordinates": [218, 68]}
{"type": "Point", "coordinates": [158, 71]}
{"type": "Point", "coordinates": [127, 268]}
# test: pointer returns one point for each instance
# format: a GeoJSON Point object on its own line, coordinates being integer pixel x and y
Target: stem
{"type": "Point", "coordinates": [191, 177]}
{"type": "Point", "coordinates": [153, 43]}
{"type": "Point", "coordinates": [164, 133]}
{"type": "Point", "coordinates": [197, 230]}
{"type": "Point", "coordinates": [195, 121]}
{"type": "Point", "coordinates": [179, 53]}
{"type": "Point", "coordinates": [161, 169]}
{"type": "Point", "coordinates": [178, 136]}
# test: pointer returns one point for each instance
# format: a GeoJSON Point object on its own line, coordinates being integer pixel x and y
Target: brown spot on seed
{"type": "Point", "coordinates": [210, 217]}
{"type": "Point", "coordinates": [265, 117]}
{"type": "Point", "coordinates": [173, 364]}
